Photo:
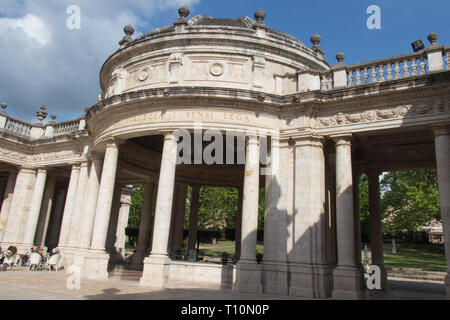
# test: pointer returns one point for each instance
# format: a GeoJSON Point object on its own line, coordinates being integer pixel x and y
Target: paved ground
{"type": "Point", "coordinates": [44, 285]}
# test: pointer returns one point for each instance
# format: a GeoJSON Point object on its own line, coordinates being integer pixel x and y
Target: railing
{"type": "Point", "coordinates": [45, 131]}
{"type": "Point", "coordinates": [387, 69]}
{"type": "Point", "coordinates": [64, 128]}
{"type": "Point", "coordinates": [18, 127]}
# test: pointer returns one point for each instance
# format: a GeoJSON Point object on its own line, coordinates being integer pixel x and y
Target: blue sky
{"type": "Point", "coordinates": [42, 62]}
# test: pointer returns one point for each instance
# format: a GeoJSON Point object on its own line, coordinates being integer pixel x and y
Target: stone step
{"type": "Point", "coordinates": [126, 275]}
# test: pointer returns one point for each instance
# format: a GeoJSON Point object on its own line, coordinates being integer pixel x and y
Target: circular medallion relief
{"type": "Point", "coordinates": [217, 69]}
{"type": "Point", "coordinates": [143, 74]}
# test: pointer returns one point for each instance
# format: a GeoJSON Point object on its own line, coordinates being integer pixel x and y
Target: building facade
{"type": "Point", "coordinates": [317, 126]}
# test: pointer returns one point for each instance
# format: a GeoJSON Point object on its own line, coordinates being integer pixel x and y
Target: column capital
{"type": "Point", "coordinates": [41, 170]}
{"type": "Point", "coordinates": [252, 139]}
{"type": "Point", "coordinates": [440, 130]}
{"type": "Point", "coordinates": [75, 165]}
{"type": "Point", "coordinates": [308, 139]}
{"type": "Point", "coordinates": [112, 143]}
{"type": "Point", "coordinates": [342, 139]}
{"type": "Point", "coordinates": [27, 169]}
{"type": "Point", "coordinates": [169, 135]}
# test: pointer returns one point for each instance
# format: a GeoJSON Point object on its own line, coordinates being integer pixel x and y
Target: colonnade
{"type": "Point", "coordinates": [304, 200]}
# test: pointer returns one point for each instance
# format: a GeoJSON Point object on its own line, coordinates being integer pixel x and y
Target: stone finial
{"type": "Point", "coordinates": [260, 15]}
{"type": "Point", "coordinates": [53, 117]}
{"type": "Point", "coordinates": [41, 114]}
{"type": "Point", "coordinates": [129, 31]}
{"type": "Point", "coordinates": [433, 37]}
{"type": "Point", "coordinates": [315, 40]}
{"type": "Point", "coordinates": [183, 11]}
{"type": "Point", "coordinates": [4, 106]}
{"type": "Point", "coordinates": [340, 57]}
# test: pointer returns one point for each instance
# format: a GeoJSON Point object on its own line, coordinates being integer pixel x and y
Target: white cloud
{"type": "Point", "coordinates": [34, 27]}
{"type": "Point", "coordinates": [43, 62]}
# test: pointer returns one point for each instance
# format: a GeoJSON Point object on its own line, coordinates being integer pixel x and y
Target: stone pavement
{"type": "Point", "coordinates": [43, 285]}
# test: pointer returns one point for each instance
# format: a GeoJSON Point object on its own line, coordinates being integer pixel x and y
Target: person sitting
{"type": "Point", "coordinates": [26, 257]}
{"type": "Point", "coordinates": [2, 256]}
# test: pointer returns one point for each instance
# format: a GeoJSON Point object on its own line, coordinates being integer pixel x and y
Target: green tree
{"type": "Point", "coordinates": [409, 199]}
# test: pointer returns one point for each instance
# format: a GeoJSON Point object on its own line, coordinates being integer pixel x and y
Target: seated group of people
{"type": "Point", "coordinates": [25, 258]}
{"type": "Point", "coordinates": [39, 250]}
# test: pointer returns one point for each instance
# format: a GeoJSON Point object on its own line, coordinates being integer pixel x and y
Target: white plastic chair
{"type": "Point", "coordinates": [53, 261]}
{"type": "Point", "coordinates": [35, 260]}
{"type": "Point", "coordinates": [9, 259]}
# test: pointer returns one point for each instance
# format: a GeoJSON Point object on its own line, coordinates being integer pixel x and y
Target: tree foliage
{"type": "Point", "coordinates": [410, 200]}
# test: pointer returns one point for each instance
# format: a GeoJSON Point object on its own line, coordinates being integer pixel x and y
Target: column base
{"type": "Point", "coordinates": [275, 278]}
{"type": "Point", "coordinates": [95, 265]}
{"type": "Point", "coordinates": [156, 272]}
{"type": "Point", "coordinates": [248, 277]}
{"type": "Point", "coordinates": [347, 284]}
{"type": "Point", "coordinates": [66, 257]}
{"type": "Point", "coordinates": [311, 281]}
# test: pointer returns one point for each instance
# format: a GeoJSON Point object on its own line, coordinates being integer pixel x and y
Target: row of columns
{"type": "Point", "coordinates": [300, 219]}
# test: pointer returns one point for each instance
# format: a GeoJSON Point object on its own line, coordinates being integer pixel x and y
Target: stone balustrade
{"type": "Point", "coordinates": [30, 131]}
{"type": "Point", "coordinates": [65, 128]}
{"type": "Point", "coordinates": [404, 66]}
{"type": "Point", "coordinates": [17, 127]}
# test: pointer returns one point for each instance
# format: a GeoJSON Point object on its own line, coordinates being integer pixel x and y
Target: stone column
{"type": "Point", "coordinates": [55, 224]}
{"type": "Point", "coordinates": [113, 223]}
{"type": "Point", "coordinates": [79, 208]}
{"type": "Point", "coordinates": [91, 201]}
{"type": "Point", "coordinates": [6, 204]}
{"type": "Point", "coordinates": [274, 266]}
{"type": "Point", "coordinates": [96, 262]}
{"type": "Point", "coordinates": [248, 272]}
{"type": "Point", "coordinates": [35, 207]}
{"type": "Point", "coordinates": [46, 210]}
{"type": "Point", "coordinates": [172, 219]}
{"type": "Point", "coordinates": [2, 190]}
{"type": "Point", "coordinates": [124, 212]}
{"type": "Point", "coordinates": [330, 173]}
{"type": "Point", "coordinates": [442, 145]}
{"type": "Point", "coordinates": [69, 207]}
{"type": "Point", "coordinates": [137, 261]}
{"type": "Point", "coordinates": [156, 266]}
{"type": "Point", "coordinates": [346, 276]}
{"type": "Point", "coordinates": [19, 207]}
{"type": "Point", "coordinates": [179, 218]}
{"type": "Point", "coordinates": [193, 218]}
{"type": "Point", "coordinates": [376, 227]}
{"type": "Point", "coordinates": [311, 276]}
{"type": "Point", "coordinates": [238, 239]}
{"type": "Point", "coordinates": [357, 221]}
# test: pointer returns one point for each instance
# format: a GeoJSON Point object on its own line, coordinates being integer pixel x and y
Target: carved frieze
{"type": "Point", "coordinates": [380, 114]}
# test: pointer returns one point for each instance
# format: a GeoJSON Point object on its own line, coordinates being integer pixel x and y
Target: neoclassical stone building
{"type": "Point", "coordinates": [67, 184]}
